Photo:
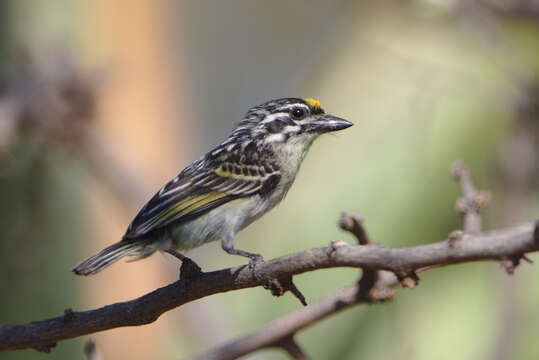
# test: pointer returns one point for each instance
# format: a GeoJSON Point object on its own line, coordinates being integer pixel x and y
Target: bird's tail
{"type": "Point", "coordinates": [137, 248]}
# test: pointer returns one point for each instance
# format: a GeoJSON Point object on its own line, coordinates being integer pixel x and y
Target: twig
{"type": "Point", "coordinates": [472, 201]}
{"type": "Point", "coordinates": [369, 282]}
{"type": "Point", "coordinates": [354, 224]}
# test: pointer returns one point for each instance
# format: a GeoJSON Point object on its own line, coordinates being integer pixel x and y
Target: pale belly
{"type": "Point", "coordinates": [227, 219]}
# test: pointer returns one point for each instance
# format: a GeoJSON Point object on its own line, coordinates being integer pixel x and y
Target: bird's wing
{"type": "Point", "coordinates": [196, 190]}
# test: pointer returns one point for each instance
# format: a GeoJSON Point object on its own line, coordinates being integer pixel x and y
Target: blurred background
{"type": "Point", "coordinates": [102, 102]}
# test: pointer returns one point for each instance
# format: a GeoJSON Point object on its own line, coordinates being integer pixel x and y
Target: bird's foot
{"type": "Point", "coordinates": [256, 260]}
{"type": "Point", "coordinates": [189, 270]}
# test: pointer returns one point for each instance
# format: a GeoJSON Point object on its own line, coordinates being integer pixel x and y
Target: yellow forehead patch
{"type": "Point", "coordinates": [314, 103]}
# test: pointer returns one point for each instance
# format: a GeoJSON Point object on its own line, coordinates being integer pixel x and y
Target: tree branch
{"type": "Point", "coordinates": [508, 243]}
{"type": "Point", "coordinates": [374, 285]}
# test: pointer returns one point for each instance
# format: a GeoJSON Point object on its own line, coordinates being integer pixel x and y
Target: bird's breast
{"type": "Point", "coordinates": [289, 157]}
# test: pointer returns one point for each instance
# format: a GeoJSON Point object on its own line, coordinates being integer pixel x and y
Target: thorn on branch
{"type": "Point", "coordinates": [289, 345]}
{"type": "Point", "coordinates": [472, 200]}
{"type": "Point", "coordinates": [46, 348]}
{"type": "Point", "coordinates": [295, 291]}
{"type": "Point", "coordinates": [509, 264]}
{"type": "Point", "coordinates": [278, 287]}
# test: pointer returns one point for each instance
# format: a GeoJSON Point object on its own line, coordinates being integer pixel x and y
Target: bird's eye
{"type": "Point", "coordinates": [298, 113]}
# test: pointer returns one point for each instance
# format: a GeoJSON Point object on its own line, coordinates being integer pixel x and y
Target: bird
{"type": "Point", "coordinates": [227, 188]}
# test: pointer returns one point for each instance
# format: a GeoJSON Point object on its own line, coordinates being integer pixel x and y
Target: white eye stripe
{"type": "Point", "coordinates": [293, 106]}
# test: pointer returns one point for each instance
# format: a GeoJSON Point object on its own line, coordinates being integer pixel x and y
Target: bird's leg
{"type": "Point", "coordinates": [178, 255]}
{"type": "Point", "coordinates": [228, 245]}
{"type": "Point", "coordinates": [189, 268]}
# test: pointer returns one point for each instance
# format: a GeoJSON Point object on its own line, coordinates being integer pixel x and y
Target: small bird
{"type": "Point", "coordinates": [226, 189]}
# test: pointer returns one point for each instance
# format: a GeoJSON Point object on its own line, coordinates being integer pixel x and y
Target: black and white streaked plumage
{"type": "Point", "coordinates": [228, 188]}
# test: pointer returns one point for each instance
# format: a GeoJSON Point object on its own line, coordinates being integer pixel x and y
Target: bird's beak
{"type": "Point", "coordinates": [327, 123]}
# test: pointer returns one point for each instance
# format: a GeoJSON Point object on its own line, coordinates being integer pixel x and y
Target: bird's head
{"type": "Point", "coordinates": [281, 120]}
